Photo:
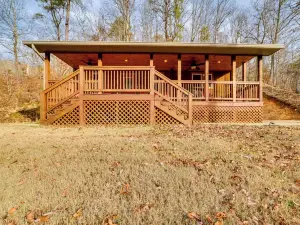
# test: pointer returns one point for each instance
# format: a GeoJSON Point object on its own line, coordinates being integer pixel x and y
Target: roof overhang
{"type": "Point", "coordinates": [153, 47]}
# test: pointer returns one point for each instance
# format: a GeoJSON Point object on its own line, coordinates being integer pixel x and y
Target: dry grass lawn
{"type": "Point", "coordinates": [145, 175]}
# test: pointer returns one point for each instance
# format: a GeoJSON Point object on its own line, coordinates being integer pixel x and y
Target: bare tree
{"type": "Point", "coordinates": [201, 17]}
{"type": "Point", "coordinates": [56, 9]}
{"type": "Point", "coordinates": [122, 20]}
{"type": "Point", "coordinates": [14, 24]}
{"type": "Point", "coordinates": [68, 11]}
{"type": "Point", "coordinates": [223, 9]}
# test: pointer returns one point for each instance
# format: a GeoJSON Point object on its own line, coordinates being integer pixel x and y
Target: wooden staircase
{"type": "Point", "coordinates": [172, 99]}
{"type": "Point", "coordinates": [65, 95]}
{"type": "Point", "coordinates": [60, 98]}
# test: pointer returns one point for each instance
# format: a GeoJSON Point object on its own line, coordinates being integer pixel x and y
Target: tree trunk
{"type": "Point", "coordinates": [68, 20]}
{"type": "Point", "coordinates": [298, 85]}
{"type": "Point", "coordinates": [166, 19]}
{"type": "Point", "coordinates": [15, 51]}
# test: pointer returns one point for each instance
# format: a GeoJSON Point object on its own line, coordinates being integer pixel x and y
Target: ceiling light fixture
{"type": "Point", "coordinates": [165, 60]}
{"type": "Point", "coordinates": [126, 60]}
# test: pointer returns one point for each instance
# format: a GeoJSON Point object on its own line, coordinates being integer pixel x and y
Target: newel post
{"type": "Point", "coordinates": [81, 94]}
{"type": "Point", "coordinates": [152, 107]}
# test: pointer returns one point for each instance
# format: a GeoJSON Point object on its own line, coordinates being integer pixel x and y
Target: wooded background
{"type": "Point", "coordinates": [204, 21]}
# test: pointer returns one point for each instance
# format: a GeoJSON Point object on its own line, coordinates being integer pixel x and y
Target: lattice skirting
{"type": "Point", "coordinates": [163, 118]}
{"type": "Point", "coordinates": [116, 112]}
{"type": "Point", "coordinates": [71, 118]}
{"type": "Point", "coordinates": [227, 114]}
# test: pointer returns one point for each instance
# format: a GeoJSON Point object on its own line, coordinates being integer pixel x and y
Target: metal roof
{"type": "Point", "coordinates": [153, 47]}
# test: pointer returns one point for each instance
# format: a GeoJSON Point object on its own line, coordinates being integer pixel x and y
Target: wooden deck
{"type": "Point", "coordinates": [100, 95]}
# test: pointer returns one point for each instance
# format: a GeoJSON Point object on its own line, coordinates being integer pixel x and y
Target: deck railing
{"type": "Point", "coordinates": [93, 80]}
{"type": "Point", "coordinates": [115, 79]}
{"type": "Point", "coordinates": [197, 88]}
{"type": "Point", "coordinates": [222, 90]}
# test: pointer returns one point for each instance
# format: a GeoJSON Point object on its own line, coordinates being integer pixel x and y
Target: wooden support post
{"type": "Point", "coordinates": [244, 67]}
{"type": "Point", "coordinates": [81, 94]}
{"type": "Point", "coordinates": [151, 60]}
{"type": "Point", "coordinates": [260, 76]}
{"type": "Point", "coordinates": [190, 109]}
{"type": "Point", "coordinates": [233, 73]}
{"type": "Point", "coordinates": [100, 73]}
{"type": "Point", "coordinates": [179, 70]}
{"type": "Point", "coordinates": [206, 71]}
{"type": "Point", "coordinates": [43, 107]}
{"type": "Point", "coordinates": [152, 106]}
{"type": "Point", "coordinates": [100, 63]}
{"type": "Point", "coordinates": [46, 70]}
{"type": "Point", "coordinates": [244, 77]}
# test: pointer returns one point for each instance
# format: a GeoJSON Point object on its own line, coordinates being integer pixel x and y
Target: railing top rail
{"type": "Point", "coordinates": [117, 67]}
{"type": "Point", "coordinates": [171, 82]}
{"type": "Point", "coordinates": [192, 81]}
{"type": "Point", "coordinates": [247, 82]}
{"type": "Point", "coordinates": [61, 81]}
{"type": "Point", "coordinates": [220, 82]}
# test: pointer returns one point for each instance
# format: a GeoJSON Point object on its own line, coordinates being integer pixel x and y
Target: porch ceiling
{"type": "Point", "coordinates": [153, 47]}
{"type": "Point", "coordinates": [162, 62]}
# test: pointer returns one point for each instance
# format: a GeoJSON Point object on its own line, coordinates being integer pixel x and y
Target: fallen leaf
{"type": "Point", "coordinates": [22, 182]}
{"type": "Point", "coordinates": [143, 208]}
{"type": "Point", "coordinates": [42, 219]}
{"type": "Point", "coordinates": [194, 216]}
{"type": "Point", "coordinates": [208, 218]}
{"type": "Point", "coordinates": [64, 193]}
{"type": "Point", "coordinates": [125, 190]}
{"type": "Point", "coordinates": [221, 215]}
{"type": "Point", "coordinates": [12, 210]}
{"type": "Point", "coordinates": [78, 213]}
{"type": "Point", "coordinates": [297, 182]}
{"type": "Point", "coordinates": [30, 217]}
{"type": "Point", "coordinates": [109, 220]}
{"type": "Point", "coordinates": [219, 222]}
{"type": "Point", "coordinates": [13, 222]}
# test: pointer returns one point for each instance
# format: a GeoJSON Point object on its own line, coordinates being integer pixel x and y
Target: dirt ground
{"type": "Point", "coordinates": [275, 110]}
{"type": "Point", "coordinates": [149, 175]}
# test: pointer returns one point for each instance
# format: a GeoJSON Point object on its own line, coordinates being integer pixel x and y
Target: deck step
{"type": "Point", "coordinates": [172, 113]}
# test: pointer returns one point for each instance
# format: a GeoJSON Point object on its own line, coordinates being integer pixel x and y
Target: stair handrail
{"type": "Point", "coordinates": [44, 105]}
{"type": "Point", "coordinates": [189, 95]}
{"type": "Point", "coordinates": [159, 74]}
{"type": "Point", "coordinates": [61, 81]}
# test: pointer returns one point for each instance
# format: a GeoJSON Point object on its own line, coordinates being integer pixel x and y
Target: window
{"type": "Point", "coordinates": [201, 76]}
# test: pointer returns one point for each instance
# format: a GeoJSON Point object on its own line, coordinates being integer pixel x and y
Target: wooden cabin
{"type": "Point", "coordinates": [152, 83]}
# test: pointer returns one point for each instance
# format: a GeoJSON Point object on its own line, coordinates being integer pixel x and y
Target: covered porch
{"type": "Point", "coordinates": [207, 77]}
{"type": "Point", "coordinates": [189, 82]}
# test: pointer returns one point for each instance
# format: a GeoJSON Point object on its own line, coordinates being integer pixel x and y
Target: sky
{"type": "Point", "coordinates": [32, 5]}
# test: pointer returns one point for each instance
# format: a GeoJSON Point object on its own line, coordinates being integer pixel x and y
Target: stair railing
{"type": "Point", "coordinates": [173, 93]}
{"type": "Point", "coordinates": [59, 93]}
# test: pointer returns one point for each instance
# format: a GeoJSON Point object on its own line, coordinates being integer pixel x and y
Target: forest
{"type": "Point", "coordinates": [202, 21]}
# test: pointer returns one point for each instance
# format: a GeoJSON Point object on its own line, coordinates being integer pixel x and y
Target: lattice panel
{"type": "Point", "coordinates": [116, 112]}
{"type": "Point", "coordinates": [227, 114]}
{"type": "Point", "coordinates": [71, 118]}
{"type": "Point", "coordinates": [163, 118]}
